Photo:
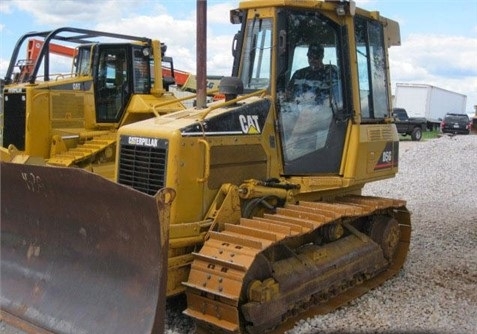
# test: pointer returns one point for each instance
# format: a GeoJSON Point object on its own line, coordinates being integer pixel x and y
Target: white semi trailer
{"type": "Point", "coordinates": [431, 102]}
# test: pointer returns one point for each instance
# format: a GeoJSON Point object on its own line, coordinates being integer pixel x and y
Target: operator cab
{"type": "Point", "coordinates": [119, 70]}
{"type": "Point", "coordinates": [314, 110]}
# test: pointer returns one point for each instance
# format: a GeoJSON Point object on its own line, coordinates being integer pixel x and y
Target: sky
{"type": "Point", "coordinates": [438, 38]}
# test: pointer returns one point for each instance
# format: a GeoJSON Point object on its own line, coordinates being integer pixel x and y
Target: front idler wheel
{"type": "Point", "coordinates": [386, 233]}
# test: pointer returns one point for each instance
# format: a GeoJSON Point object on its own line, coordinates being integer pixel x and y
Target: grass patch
{"type": "Point", "coordinates": [430, 134]}
{"type": "Point", "coordinates": [426, 135]}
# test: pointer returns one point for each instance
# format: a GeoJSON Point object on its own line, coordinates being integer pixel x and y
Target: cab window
{"type": "Point", "coordinates": [141, 72]}
{"type": "Point", "coordinates": [370, 52]}
{"type": "Point", "coordinates": [83, 62]}
{"type": "Point", "coordinates": [256, 62]}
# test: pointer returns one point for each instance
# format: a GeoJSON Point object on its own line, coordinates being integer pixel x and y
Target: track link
{"type": "Point", "coordinates": [304, 259]}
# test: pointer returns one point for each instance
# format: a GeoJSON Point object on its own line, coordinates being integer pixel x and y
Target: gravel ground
{"type": "Point", "coordinates": [436, 292]}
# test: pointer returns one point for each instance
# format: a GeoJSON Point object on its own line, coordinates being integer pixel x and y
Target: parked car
{"type": "Point", "coordinates": [456, 123]}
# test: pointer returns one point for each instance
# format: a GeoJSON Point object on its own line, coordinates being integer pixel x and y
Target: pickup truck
{"type": "Point", "coordinates": [413, 126]}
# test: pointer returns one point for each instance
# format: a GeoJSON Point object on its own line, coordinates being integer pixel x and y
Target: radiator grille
{"type": "Point", "coordinates": [143, 167]}
{"type": "Point", "coordinates": [14, 116]}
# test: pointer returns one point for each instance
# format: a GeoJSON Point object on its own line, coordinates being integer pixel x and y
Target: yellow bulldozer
{"type": "Point", "coordinates": [70, 119]}
{"type": "Point", "coordinates": [250, 205]}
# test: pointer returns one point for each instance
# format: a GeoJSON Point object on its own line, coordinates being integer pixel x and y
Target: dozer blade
{"type": "Point", "coordinates": [81, 254]}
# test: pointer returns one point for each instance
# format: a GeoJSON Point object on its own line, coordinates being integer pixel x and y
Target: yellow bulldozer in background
{"type": "Point", "coordinates": [257, 198]}
{"type": "Point", "coordinates": [71, 119]}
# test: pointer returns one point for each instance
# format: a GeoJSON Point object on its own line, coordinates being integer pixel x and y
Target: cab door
{"type": "Point", "coordinates": [313, 123]}
{"type": "Point", "coordinates": [112, 83]}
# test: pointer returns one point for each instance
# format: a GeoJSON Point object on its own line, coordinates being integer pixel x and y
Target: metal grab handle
{"type": "Point", "coordinates": [207, 161]}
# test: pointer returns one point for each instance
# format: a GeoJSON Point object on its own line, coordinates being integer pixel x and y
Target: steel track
{"type": "Point", "coordinates": [224, 268]}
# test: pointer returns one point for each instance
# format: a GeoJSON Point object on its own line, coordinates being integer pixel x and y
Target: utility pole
{"type": "Point", "coordinates": [201, 50]}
